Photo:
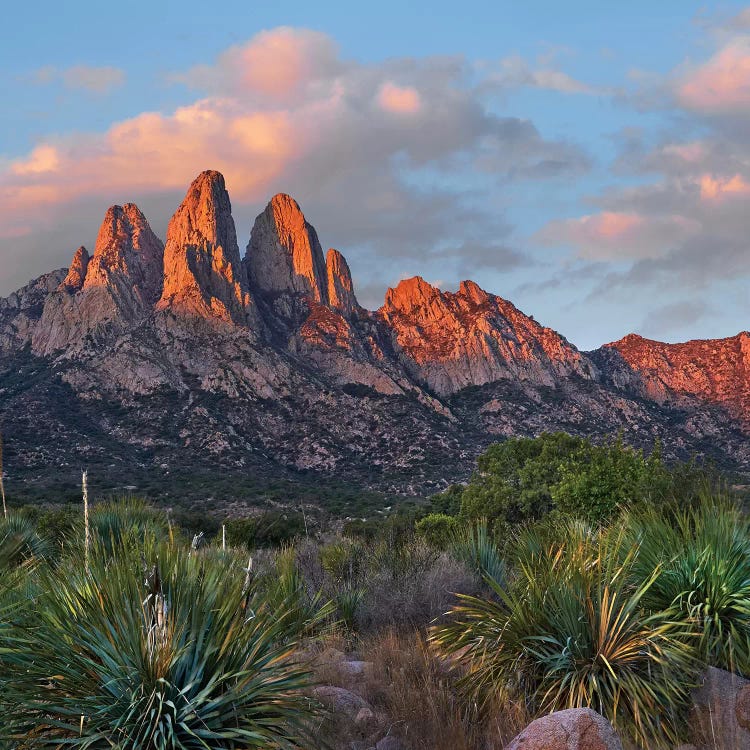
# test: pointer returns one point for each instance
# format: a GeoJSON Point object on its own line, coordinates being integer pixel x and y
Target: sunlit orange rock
{"type": "Point", "coordinates": [77, 271]}
{"type": "Point", "coordinates": [340, 287]}
{"type": "Point", "coordinates": [284, 253]}
{"type": "Point", "coordinates": [203, 274]}
{"type": "Point", "coordinates": [121, 282]}
{"type": "Point", "coordinates": [128, 257]}
{"type": "Point", "coordinates": [713, 370]}
{"type": "Point", "coordinates": [453, 340]}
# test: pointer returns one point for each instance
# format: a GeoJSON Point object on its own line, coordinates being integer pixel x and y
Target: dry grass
{"type": "Point", "coordinates": [415, 696]}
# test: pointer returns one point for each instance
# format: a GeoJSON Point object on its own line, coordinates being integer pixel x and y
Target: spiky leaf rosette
{"type": "Point", "coordinates": [702, 554]}
{"type": "Point", "coordinates": [570, 631]}
{"type": "Point", "coordinates": [159, 650]}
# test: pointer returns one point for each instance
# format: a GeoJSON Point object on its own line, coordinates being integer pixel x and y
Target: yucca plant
{"type": "Point", "coordinates": [112, 522]}
{"type": "Point", "coordinates": [20, 543]}
{"type": "Point", "coordinates": [300, 611]}
{"type": "Point", "coordinates": [702, 554]}
{"type": "Point", "coordinates": [473, 545]}
{"type": "Point", "coordinates": [155, 649]}
{"type": "Point", "coordinates": [570, 631]}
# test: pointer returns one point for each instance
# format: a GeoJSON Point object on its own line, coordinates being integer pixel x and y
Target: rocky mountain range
{"type": "Point", "coordinates": [187, 361]}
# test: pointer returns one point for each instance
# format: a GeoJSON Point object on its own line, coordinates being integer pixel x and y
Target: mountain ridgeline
{"type": "Point", "coordinates": [188, 358]}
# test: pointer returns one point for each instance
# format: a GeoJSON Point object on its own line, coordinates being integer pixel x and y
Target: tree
{"type": "Point", "coordinates": [513, 480]}
{"type": "Point", "coordinates": [596, 483]}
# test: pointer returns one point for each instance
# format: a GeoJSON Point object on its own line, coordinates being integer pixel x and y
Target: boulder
{"type": "Point", "coordinates": [389, 743]}
{"type": "Point", "coordinates": [342, 701]}
{"type": "Point", "coordinates": [722, 710]}
{"type": "Point", "coordinates": [572, 729]}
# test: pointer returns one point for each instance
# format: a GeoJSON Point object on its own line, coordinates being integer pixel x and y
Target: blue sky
{"type": "Point", "coordinates": [586, 160]}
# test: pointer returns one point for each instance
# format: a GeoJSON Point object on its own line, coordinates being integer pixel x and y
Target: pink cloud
{"type": "Point", "coordinates": [715, 188]}
{"type": "Point", "coordinates": [275, 65]}
{"type": "Point", "coordinates": [688, 152]}
{"type": "Point", "coordinates": [722, 84]}
{"type": "Point", "coordinates": [280, 100]}
{"type": "Point", "coordinates": [401, 100]}
{"type": "Point", "coordinates": [614, 235]}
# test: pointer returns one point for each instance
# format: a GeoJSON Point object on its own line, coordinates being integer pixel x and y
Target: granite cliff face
{"type": "Point", "coordinates": [454, 340]}
{"type": "Point", "coordinates": [104, 296]}
{"type": "Point", "coordinates": [284, 253]}
{"type": "Point", "coordinates": [203, 274]}
{"type": "Point", "coordinates": [716, 371]}
{"type": "Point", "coordinates": [181, 359]}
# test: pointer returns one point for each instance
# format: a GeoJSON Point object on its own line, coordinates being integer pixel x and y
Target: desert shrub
{"type": "Point", "coordinates": [408, 587]}
{"type": "Point", "coordinates": [192, 522]}
{"type": "Point", "coordinates": [513, 478]}
{"type": "Point", "coordinates": [270, 529]}
{"type": "Point", "coordinates": [420, 694]}
{"type": "Point", "coordinates": [380, 586]}
{"type": "Point", "coordinates": [448, 501]}
{"type": "Point", "coordinates": [700, 557]}
{"type": "Point", "coordinates": [523, 479]}
{"type": "Point", "coordinates": [569, 631]}
{"type": "Point", "coordinates": [156, 648]}
{"type": "Point", "coordinates": [437, 529]}
{"type": "Point", "coordinates": [596, 483]}
{"type": "Point", "coordinates": [367, 530]}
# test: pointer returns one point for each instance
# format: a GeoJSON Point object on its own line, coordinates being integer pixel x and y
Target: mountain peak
{"type": "Point", "coordinates": [473, 291]}
{"type": "Point", "coordinates": [127, 256]}
{"type": "Point", "coordinates": [284, 253]}
{"type": "Point", "coordinates": [203, 274]}
{"type": "Point", "coordinates": [410, 294]}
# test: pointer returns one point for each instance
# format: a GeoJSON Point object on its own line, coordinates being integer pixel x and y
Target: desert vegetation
{"type": "Point", "coordinates": [563, 574]}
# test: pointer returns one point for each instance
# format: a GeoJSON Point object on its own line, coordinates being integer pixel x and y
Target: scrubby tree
{"type": "Point", "coordinates": [514, 479]}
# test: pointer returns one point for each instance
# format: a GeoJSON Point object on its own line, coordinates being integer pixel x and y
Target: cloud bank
{"type": "Point", "coordinates": [391, 155]}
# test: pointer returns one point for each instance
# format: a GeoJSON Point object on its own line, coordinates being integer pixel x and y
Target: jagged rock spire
{"type": "Point", "coordinates": [77, 272]}
{"type": "Point", "coordinates": [127, 258]}
{"type": "Point", "coordinates": [203, 274]}
{"type": "Point", "coordinates": [284, 254]}
{"type": "Point", "coordinates": [340, 287]}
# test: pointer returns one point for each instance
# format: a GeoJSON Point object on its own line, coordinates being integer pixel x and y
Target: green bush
{"type": "Point", "coordinates": [514, 478]}
{"type": "Point", "coordinates": [437, 529]}
{"type": "Point", "coordinates": [598, 482]}
{"type": "Point", "coordinates": [448, 501]}
{"type": "Point", "coordinates": [270, 529]}
{"type": "Point", "coordinates": [523, 479]}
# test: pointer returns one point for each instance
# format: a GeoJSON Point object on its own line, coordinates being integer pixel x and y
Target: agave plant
{"type": "Point", "coordinates": [159, 649]}
{"type": "Point", "coordinates": [569, 631]}
{"type": "Point", "coordinates": [702, 555]}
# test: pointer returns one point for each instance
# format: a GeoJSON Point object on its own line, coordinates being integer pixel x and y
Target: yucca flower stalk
{"type": "Point", "coordinates": [86, 525]}
{"type": "Point", "coordinates": [2, 478]}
